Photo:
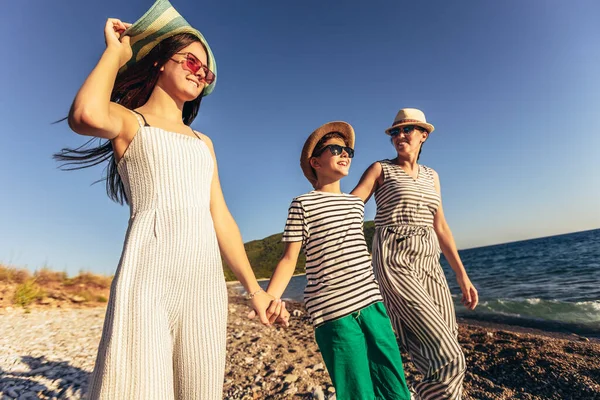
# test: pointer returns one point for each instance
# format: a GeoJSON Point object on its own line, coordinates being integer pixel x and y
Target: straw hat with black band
{"type": "Point", "coordinates": [341, 127]}
{"type": "Point", "coordinates": [410, 116]}
{"type": "Point", "coordinates": [160, 22]}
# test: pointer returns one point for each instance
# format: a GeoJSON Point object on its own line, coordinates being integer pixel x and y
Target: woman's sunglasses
{"type": "Point", "coordinates": [192, 64]}
{"type": "Point", "coordinates": [408, 129]}
{"type": "Point", "coordinates": [335, 150]}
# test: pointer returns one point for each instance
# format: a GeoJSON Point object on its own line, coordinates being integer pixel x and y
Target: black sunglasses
{"type": "Point", "coordinates": [405, 129]}
{"type": "Point", "coordinates": [335, 150]}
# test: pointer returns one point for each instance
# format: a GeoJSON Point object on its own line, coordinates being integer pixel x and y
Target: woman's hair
{"type": "Point", "coordinates": [132, 89]}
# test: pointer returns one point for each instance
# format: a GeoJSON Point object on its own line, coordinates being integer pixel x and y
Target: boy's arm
{"type": "Point", "coordinates": [284, 270]}
{"type": "Point", "coordinates": [279, 281]}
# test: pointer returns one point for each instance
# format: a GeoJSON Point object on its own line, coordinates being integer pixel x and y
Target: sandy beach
{"type": "Point", "coordinates": [48, 353]}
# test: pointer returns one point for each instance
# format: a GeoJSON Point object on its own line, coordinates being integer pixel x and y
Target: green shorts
{"type": "Point", "coordinates": [362, 356]}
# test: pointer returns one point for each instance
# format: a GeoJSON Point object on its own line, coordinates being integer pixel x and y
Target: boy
{"type": "Point", "coordinates": [352, 328]}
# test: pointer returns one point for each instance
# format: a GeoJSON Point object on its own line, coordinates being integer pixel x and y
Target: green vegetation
{"type": "Point", "coordinates": [27, 292]}
{"type": "Point", "coordinates": [263, 255]}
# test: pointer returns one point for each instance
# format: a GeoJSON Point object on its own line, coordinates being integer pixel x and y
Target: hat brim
{"type": "Point", "coordinates": [161, 22]}
{"type": "Point", "coordinates": [428, 127]}
{"type": "Point", "coordinates": [344, 128]}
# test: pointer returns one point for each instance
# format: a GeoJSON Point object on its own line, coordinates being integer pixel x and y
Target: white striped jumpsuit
{"type": "Point", "coordinates": [165, 327]}
{"type": "Point", "coordinates": [406, 256]}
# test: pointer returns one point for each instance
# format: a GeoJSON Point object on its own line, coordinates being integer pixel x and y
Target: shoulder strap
{"type": "Point", "coordinates": [140, 118]}
{"type": "Point", "coordinates": [385, 165]}
{"type": "Point", "coordinates": [195, 133]}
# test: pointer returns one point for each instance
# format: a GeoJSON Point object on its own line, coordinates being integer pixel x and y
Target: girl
{"type": "Point", "coordinates": [165, 327]}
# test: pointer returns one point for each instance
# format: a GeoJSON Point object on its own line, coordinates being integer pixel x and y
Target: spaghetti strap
{"type": "Point", "coordinates": [195, 133]}
{"type": "Point", "coordinates": [140, 118]}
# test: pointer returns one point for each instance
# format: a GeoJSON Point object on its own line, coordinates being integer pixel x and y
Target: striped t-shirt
{"type": "Point", "coordinates": [339, 275]}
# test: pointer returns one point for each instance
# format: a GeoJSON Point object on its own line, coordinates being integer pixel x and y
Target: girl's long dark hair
{"type": "Point", "coordinates": [132, 89]}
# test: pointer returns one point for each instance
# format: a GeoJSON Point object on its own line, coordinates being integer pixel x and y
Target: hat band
{"type": "Point", "coordinates": [402, 121]}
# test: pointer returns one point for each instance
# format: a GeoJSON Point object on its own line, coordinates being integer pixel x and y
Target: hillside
{"type": "Point", "coordinates": [265, 253]}
{"type": "Point", "coordinates": [47, 288]}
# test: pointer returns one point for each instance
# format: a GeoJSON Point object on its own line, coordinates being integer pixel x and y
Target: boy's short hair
{"type": "Point", "coordinates": [331, 135]}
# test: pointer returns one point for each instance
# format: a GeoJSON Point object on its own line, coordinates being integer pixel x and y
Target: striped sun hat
{"type": "Point", "coordinates": [160, 22]}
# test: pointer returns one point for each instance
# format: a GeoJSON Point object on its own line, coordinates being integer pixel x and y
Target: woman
{"type": "Point", "coordinates": [165, 328]}
{"type": "Point", "coordinates": [410, 228]}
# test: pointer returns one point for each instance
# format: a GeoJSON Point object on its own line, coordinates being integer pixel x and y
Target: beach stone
{"type": "Point", "coordinates": [40, 370]}
{"type": "Point", "coordinates": [77, 299]}
{"type": "Point", "coordinates": [28, 396]}
{"type": "Point", "coordinates": [297, 313]}
{"type": "Point", "coordinates": [318, 393]}
{"type": "Point", "coordinates": [292, 390]}
{"type": "Point", "coordinates": [12, 393]}
{"type": "Point", "coordinates": [249, 360]}
{"type": "Point", "coordinates": [37, 388]}
{"type": "Point", "coordinates": [46, 301]}
{"type": "Point", "coordinates": [318, 367]}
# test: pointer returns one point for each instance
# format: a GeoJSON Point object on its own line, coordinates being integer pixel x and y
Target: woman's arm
{"type": "Point", "coordinates": [447, 244]}
{"type": "Point", "coordinates": [232, 246]}
{"type": "Point", "coordinates": [371, 179]}
{"type": "Point", "coordinates": [92, 112]}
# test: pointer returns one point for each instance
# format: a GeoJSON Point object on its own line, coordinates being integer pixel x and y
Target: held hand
{"type": "Point", "coordinates": [284, 317]}
{"type": "Point", "coordinates": [470, 297]}
{"type": "Point", "coordinates": [260, 303]}
{"type": "Point", "coordinates": [113, 30]}
{"type": "Point", "coordinates": [276, 312]}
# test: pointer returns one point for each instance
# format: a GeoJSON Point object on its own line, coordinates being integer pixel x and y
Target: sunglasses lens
{"type": "Point", "coordinates": [210, 77]}
{"type": "Point", "coordinates": [408, 129]}
{"type": "Point", "coordinates": [192, 65]}
{"type": "Point", "coordinates": [394, 132]}
{"type": "Point", "coordinates": [350, 152]}
{"type": "Point", "coordinates": [335, 149]}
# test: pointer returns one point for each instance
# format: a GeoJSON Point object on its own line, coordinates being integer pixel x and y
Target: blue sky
{"type": "Point", "coordinates": [512, 88]}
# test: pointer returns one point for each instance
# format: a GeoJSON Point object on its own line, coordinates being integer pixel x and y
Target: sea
{"type": "Point", "coordinates": [550, 283]}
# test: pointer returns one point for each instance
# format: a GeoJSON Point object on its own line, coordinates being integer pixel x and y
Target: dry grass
{"type": "Point", "coordinates": [27, 292]}
{"type": "Point", "coordinates": [87, 279]}
{"type": "Point", "coordinates": [21, 288]}
{"type": "Point", "coordinates": [46, 276]}
{"type": "Point", "coordinates": [13, 275]}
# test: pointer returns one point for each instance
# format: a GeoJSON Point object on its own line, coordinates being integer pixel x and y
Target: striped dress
{"type": "Point", "coordinates": [165, 327]}
{"type": "Point", "coordinates": [339, 274]}
{"type": "Point", "coordinates": [406, 261]}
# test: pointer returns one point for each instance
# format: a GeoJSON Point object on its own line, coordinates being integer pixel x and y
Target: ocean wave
{"type": "Point", "coordinates": [584, 313]}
